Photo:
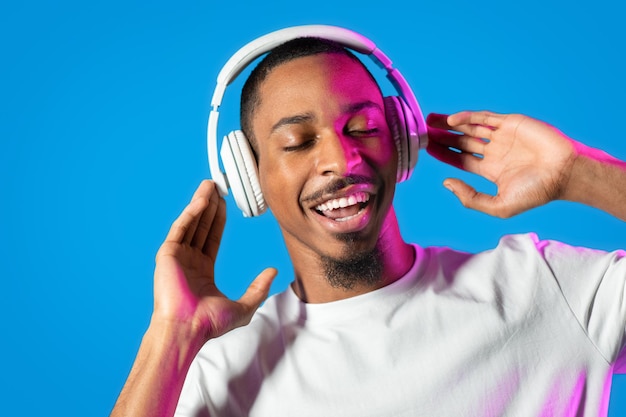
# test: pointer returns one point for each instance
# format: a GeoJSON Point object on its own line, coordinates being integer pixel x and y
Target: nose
{"type": "Point", "coordinates": [337, 155]}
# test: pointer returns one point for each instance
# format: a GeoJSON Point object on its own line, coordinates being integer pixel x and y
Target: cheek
{"type": "Point", "coordinates": [389, 153]}
{"type": "Point", "coordinates": [267, 185]}
{"type": "Point", "coordinates": [277, 184]}
{"type": "Point", "coordinates": [384, 155]}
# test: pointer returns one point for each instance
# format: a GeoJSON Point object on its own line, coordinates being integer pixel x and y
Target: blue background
{"type": "Point", "coordinates": [102, 124]}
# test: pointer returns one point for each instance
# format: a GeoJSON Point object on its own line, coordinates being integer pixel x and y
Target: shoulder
{"type": "Point", "coordinates": [513, 274]}
{"type": "Point", "coordinates": [513, 252]}
{"type": "Point", "coordinates": [520, 251]}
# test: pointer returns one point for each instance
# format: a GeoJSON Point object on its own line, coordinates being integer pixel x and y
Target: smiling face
{"type": "Point", "coordinates": [327, 162]}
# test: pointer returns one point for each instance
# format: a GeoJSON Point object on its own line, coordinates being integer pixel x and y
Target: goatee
{"type": "Point", "coordinates": [355, 269]}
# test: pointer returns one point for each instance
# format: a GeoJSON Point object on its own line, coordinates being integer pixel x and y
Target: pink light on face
{"type": "Point", "coordinates": [363, 110]}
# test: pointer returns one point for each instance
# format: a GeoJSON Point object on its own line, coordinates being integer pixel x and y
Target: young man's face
{"type": "Point", "coordinates": [327, 162]}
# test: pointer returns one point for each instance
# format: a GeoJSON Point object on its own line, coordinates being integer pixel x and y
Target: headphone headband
{"type": "Point", "coordinates": [347, 38]}
{"type": "Point", "coordinates": [254, 49]}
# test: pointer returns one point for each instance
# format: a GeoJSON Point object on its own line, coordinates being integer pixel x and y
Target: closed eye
{"type": "Point", "coordinates": [363, 132]}
{"type": "Point", "coordinates": [299, 147]}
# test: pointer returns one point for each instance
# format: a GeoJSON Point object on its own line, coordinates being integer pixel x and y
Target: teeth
{"type": "Point", "coordinates": [343, 202]}
{"type": "Point", "coordinates": [343, 219]}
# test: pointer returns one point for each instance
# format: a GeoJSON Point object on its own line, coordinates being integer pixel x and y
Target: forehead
{"type": "Point", "coordinates": [305, 81]}
{"type": "Point", "coordinates": [339, 70]}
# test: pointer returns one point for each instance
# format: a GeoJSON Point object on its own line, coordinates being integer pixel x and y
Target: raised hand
{"type": "Point", "coordinates": [188, 308]}
{"type": "Point", "coordinates": [184, 282]}
{"type": "Point", "coordinates": [530, 161]}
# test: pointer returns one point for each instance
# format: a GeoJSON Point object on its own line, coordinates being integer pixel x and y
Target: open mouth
{"type": "Point", "coordinates": [344, 208]}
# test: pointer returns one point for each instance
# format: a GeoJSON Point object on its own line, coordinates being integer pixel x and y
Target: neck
{"type": "Point", "coordinates": [317, 282]}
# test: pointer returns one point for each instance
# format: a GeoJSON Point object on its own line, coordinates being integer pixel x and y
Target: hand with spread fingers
{"type": "Point", "coordinates": [530, 161]}
{"type": "Point", "coordinates": [189, 309]}
{"type": "Point", "coordinates": [184, 284]}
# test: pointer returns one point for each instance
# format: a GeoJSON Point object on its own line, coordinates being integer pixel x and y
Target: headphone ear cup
{"type": "Point", "coordinates": [242, 174]}
{"type": "Point", "coordinates": [403, 125]}
{"type": "Point", "coordinates": [394, 112]}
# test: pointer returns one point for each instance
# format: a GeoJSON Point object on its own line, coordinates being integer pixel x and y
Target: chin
{"type": "Point", "coordinates": [351, 244]}
{"type": "Point", "coordinates": [354, 268]}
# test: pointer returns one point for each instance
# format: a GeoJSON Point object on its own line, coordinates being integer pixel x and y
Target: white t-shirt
{"type": "Point", "coordinates": [531, 328]}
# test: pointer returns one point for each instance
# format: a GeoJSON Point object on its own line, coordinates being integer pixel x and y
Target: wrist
{"type": "Point", "coordinates": [597, 179]}
{"type": "Point", "coordinates": [169, 337]}
{"type": "Point", "coordinates": [158, 374]}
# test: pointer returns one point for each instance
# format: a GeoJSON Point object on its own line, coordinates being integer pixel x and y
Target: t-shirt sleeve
{"type": "Point", "coordinates": [593, 283]}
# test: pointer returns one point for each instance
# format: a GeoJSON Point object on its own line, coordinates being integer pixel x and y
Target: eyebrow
{"type": "Point", "coordinates": [361, 105]}
{"type": "Point", "coordinates": [292, 120]}
{"type": "Point", "coordinates": [308, 117]}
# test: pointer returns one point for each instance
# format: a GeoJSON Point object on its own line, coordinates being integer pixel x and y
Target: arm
{"type": "Point", "coordinates": [531, 162]}
{"type": "Point", "coordinates": [188, 308]}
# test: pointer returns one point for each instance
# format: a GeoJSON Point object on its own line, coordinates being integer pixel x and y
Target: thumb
{"type": "Point", "coordinates": [471, 198]}
{"type": "Point", "coordinates": [258, 290]}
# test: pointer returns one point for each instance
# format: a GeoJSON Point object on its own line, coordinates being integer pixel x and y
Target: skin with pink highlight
{"type": "Point", "coordinates": [327, 169]}
{"type": "Point", "coordinates": [317, 126]}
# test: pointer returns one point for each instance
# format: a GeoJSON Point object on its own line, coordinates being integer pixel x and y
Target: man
{"type": "Point", "coordinates": [372, 325]}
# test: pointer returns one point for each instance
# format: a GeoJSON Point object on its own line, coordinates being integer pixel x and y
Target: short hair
{"type": "Point", "coordinates": [288, 51]}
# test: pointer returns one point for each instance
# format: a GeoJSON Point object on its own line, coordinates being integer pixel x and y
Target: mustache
{"type": "Point", "coordinates": [338, 184]}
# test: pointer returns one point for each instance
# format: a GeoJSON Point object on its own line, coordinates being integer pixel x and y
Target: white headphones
{"type": "Point", "coordinates": [404, 116]}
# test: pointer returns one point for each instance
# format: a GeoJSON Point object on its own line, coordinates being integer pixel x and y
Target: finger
{"type": "Point", "coordinates": [477, 131]}
{"type": "Point", "coordinates": [214, 237]}
{"type": "Point", "coordinates": [466, 161]}
{"type": "Point", "coordinates": [184, 226]}
{"type": "Point", "coordinates": [442, 122]}
{"type": "Point", "coordinates": [468, 195]}
{"type": "Point", "coordinates": [205, 222]}
{"type": "Point", "coordinates": [186, 221]}
{"type": "Point", "coordinates": [257, 291]}
{"type": "Point", "coordinates": [205, 188]}
{"type": "Point", "coordinates": [483, 118]}
{"type": "Point", "coordinates": [438, 120]}
{"type": "Point", "coordinates": [465, 143]}
{"type": "Point", "coordinates": [475, 200]}
{"type": "Point", "coordinates": [203, 194]}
